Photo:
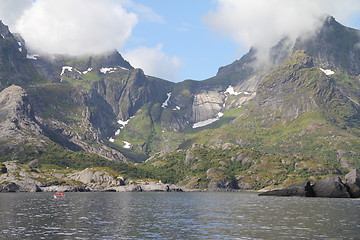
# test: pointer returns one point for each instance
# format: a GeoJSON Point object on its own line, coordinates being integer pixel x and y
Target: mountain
{"type": "Point", "coordinates": [304, 104]}
{"type": "Point", "coordinates": [294, 117]}
{"type": "Point", "coordinates": [14, 67]}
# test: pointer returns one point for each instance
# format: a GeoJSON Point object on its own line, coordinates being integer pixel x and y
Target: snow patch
{"type": "Point", "coordinates": [205, 122]}
{"type": "Point", "coordinates": [177, 108]}
{"type": "Point", "coordinates": [123, 123]}
{"type": "Point", "coordinates": [107, 70]}
{"type": "Point", "coordinates": [20, 46]}
{"type": "Point", "coordinates": [127, 144]}
{"type": "Point", "coordinates": [224, 104]}
{"type": "Point", "coordinates": [124, 68]}
{"type": "Point", "coordinates": [2, 36]}
{"type": "Point", "coordinates": [65, 68]}
{"type": "Point", "coordinates": [32, 56]}
{"type": "Point", "coordinates": [230, 90]}
{"type": "Point", "coordinates": [166, 103]}
{"type": "Point", "coordinates": [86, 71]}
{"type": "Point", "coordinates": [327, 71]}
{"type": "Point", "coordinates": [208, 121]}
{"type": "Point", "coordinates": [111, 140]}
{"type": "Point", "coordinates": [117, 132]}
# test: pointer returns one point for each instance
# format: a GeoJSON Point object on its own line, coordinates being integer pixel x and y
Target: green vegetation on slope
{"type": "Point", "coordinates": [202, 166]}
{"type": "Point", "coordinates": [54, 156]}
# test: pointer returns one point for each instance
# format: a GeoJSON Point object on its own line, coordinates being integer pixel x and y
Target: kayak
{"type": "Point", "coordinates": [59, 195]}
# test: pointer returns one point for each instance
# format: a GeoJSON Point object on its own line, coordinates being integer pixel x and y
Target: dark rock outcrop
{"type": "Point", "coordinates": [11, 187]}
{"type": "Point", "coordinates": [3, 169]}
{"type": "Point", "coordinates": [331, 187]}
{"type": "Point", "coordinates": [302, 189]}
{"type": "Point", "coordinates": [218, 180]}
{"type": "Point", "coordinates": [79, 189]}
{"type": "Point", "coordinates": [173, 188]}
{"type": "Point", "coordinates": [353, 183]}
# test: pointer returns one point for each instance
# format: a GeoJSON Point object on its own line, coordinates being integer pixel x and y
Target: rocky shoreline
{"type": "Point", "coordinates": [153, 187]}
{"type": "Point", "coordinates": [332, 187]}
{"type": "Point", "coordinates": [15, 177]}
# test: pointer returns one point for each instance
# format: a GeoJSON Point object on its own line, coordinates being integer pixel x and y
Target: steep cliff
{"type": "Point", "coordinates": [15, 66]}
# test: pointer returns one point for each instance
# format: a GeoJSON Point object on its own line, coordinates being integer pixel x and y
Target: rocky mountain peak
{"type": "Point", "coordinates": [334, 47]}
{"type": "Point", "coordinates": [4, 30]}
{"type": "Point", "coordinates": [112, 59]}
{"type": "Point", "coordinates": [16, 112]}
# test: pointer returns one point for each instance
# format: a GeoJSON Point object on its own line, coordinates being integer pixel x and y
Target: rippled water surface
{"type": "Point", "coordinates": [176, 216]}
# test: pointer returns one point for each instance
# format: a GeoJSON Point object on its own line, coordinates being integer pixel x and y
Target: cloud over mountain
{"type": "Point", "coordinates": [12, 10]}
{"type": "Point", "coordinates": [76, 27]}
{"type": "Point", "coordinates": [262, 23]}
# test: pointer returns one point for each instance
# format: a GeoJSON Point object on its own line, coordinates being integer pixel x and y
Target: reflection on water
{"type": "Point", "coordinates": [176, 216]}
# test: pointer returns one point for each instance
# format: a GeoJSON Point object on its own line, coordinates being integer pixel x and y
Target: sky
{"type": "Point", "coordinates": [175, 40]}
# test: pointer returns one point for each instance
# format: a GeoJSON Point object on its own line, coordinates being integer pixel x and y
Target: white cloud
{"type": "Point", "coordinates": [262, 23]}
{"type": "Point", "coordinates": [143, 11]}
{"type": "Point", "coordinates": [76, 27]}
{"type": "Point", "coordinates": [12, 10]}
{"type": "Point", "coordinates": [154, 62]}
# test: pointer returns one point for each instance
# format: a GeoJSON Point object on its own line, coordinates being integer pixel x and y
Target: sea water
{"type": "Point", "coordinates": [188, 215]}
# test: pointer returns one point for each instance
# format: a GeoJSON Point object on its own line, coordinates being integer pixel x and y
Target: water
{"type": "Point", "coordinates": [205, 215]}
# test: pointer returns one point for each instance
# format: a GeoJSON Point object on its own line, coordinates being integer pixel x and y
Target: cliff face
{"type": "Point", "coordinates": [298, 87]}
{"type": "Point", "coordinates": [16, 113]}
{"type": "Point", "coordinates": [15, 67]}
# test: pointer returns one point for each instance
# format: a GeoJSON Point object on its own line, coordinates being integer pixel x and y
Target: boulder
{"type": "Point", "coordinates": [98, 178]}
{"type": "Point", "coordinates": [331, 187]}
{"type": "Point", "coordinates": [11, 187]}
{"type": "Point", "coordinates": [353, 183]}
{"type": "Point", "coordinates": [3, 168]}
{"type": "Point", "coordinates": [128, 188]}
{"type": "Point", "coordinates": [109, 190]}
{"type": "Point", "coordinates": [30, 187]}
{"type": "Point", "coordinates": [137, 189]}
{"type": "Point", "coordinates": [217, 184]}
{"type": "Point", "coordinates": [56, 188]}
{"type": "Point", "coordinates": [302, 189]}
{"type": "Point", "coordinates": [79, 189]}
{"type": "Point", "coordinates": [173, 188]}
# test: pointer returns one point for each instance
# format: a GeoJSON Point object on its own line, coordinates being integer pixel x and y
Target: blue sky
{"type": "Point", "coordinates": [184, 34]}
{"type": "Point", "coordinates": [171, 39]}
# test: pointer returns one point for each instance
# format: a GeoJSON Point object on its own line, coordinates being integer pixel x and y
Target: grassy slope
{"type": "Point", "coordinates": [252, 169]}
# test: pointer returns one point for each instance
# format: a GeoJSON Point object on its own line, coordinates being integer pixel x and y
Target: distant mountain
{"type": "Point", "coordinates": [250, 126]}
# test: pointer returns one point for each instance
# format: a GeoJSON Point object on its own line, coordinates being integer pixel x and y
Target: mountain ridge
{"type": "Point", "coordinates": [303, 107]}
